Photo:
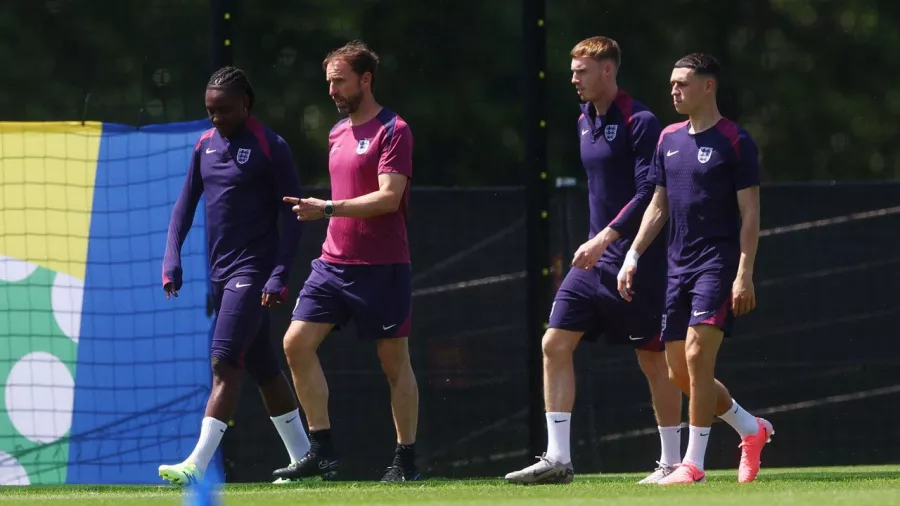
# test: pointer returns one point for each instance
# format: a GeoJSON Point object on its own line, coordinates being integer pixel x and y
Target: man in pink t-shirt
{"type": "Point", "coordinates": [364, 271]}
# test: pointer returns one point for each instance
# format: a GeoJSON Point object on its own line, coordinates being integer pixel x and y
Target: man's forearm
{"type": "Point", "coordinates": [608, 236]}
{"type": "Point", "coordinates": [367, 206]}
{"type": "Point", "coordinates": [749, 243]}
{"type": "Point", "coordinates": [654, 218]}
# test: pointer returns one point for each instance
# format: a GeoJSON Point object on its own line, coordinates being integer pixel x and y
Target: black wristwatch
{"type": "Point", "coordinates": [329, 209]}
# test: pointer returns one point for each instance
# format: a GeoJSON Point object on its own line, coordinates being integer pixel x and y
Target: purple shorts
{"type": "Point", "coordinates": [589, 302]}
{"type": "Point", "coordinates": [241, 326]}
{"type": "Point", "coordinates": [378, 298]}
{"type": "Point", "coordinates": [699, 298]}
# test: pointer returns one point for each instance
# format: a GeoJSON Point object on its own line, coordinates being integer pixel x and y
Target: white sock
{"type": "Point", "coordinates": [743, 422]}
{"type": "Point", "coordinates": [558, 425]}
{"type": "Point", "coordinates": [696, 450]}
{"type": "Point", "coordinates": [211, 432]}
{"type": "Point", "coordinates": [290, 428]}
{"type": "Point", "coordinates": [670, 441]}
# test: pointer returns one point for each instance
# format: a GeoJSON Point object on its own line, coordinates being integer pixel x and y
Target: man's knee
{"type": "Point", "coordinates": [693, 352]}
{"type": "Point", "coordinates": [653, 365]}
{"type": "Point", "coordinates": [393, 353]}
{"type": "Point", "coordinates": [702, 346]}
{"type": "Point", "coordinates": [225, 369]}
{"type": "Point", "coordinates": [303, 338]}
{"type": "Point", "coordinates": [677, 366]}
{"type": "Point", "coordinates": [680, 377]}
{"type": "Point", "coordinates": [558, 343]}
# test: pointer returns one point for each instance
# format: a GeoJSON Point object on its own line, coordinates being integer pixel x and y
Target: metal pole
{"type": "Point", "coordinates": [537, 187]}
{"type": "Point", "coordinates": [222, 12]}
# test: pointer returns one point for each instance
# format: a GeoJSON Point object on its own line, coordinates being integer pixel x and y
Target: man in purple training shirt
{"type": "Point", "coordinates": [618, 138]}
{"type": "Point", "coordinates": [706, 172]}
{"type": "Point", "coordinates": [364, 271]}
{"type": "Point", "coordinates": [243, 168]}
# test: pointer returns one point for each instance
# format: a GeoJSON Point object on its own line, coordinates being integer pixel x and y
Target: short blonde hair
{"type": "Point", "coordinates": [599, 48]}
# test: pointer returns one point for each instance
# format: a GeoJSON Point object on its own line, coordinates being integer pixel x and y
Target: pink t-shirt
{"type": "Point", "coordinates": [357, 155]}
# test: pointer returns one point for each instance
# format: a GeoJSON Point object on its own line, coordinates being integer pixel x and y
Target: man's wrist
{"type": "Point", "coordinates": [328, 209]}
{"type": "Point", "coordinates": [608, 236]}
{"type": "Point", "coordinates": [275, 282]}
{"type": "Point", "coordinates": [632, 257]}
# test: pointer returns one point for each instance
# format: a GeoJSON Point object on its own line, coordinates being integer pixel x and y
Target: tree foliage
{"type": "Point", "coordinates": [813, 80]}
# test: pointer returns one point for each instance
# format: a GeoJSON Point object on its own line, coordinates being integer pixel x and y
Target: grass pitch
{"type": "Point", "coordinates": [852, 486]}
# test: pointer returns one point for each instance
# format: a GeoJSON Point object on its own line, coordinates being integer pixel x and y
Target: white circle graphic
{"type": "Point", "coordinates": [40, 395]}
{"type": "Point", "coordinates": [67, 297]}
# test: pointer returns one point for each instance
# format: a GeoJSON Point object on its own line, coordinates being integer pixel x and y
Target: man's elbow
{"type": "Point", "coordinates": [657, 212]}
{"type": "Point", "coordinates": [390, 202]}
{"type": "Point", "coordinates": [749, 209]}
{"type": "Point", "coordinates": [750, 219]}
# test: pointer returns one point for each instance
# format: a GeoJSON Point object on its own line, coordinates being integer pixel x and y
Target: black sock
{"type": "Point", "coordinates": [405, 457]}
{"type": "Point", "coordinates": [320, 443]}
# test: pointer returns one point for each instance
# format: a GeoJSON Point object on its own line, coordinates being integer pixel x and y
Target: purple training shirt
{"type": "Point", "coordinates": [702, 174]}
{"type": "Point", "coordinates": [617, 152]}
{"type": "Point", "coordinates": [244, 178]}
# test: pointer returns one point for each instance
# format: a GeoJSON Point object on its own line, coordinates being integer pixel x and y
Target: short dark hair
{"type": "Point", "coordinates": [356, 54]}
{"type": "Point", "coordinates": [701, 64]}
{"type": "Point", "coordinates": [233, 79]}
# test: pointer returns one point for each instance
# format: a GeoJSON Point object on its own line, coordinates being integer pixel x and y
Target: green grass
{"type": "Point", "coordinates": [852, 486]}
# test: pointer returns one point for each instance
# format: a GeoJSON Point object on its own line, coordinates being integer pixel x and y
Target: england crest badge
{"type": "Point", "coordinates": [243, 156]}
{"type": "Point", "coordinates": [610, 132]}
{"type": "Point", "coordinates": [362, 147]}
{"type": "Point", "coordinates": [704, 154]}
